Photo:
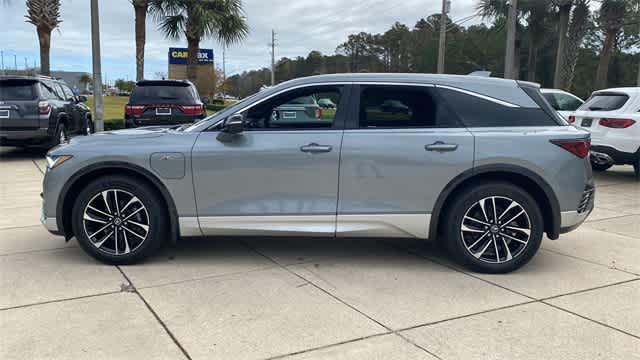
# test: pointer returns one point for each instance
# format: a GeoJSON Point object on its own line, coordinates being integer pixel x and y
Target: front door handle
{"type": "Point", "coordinates": [315, 148]}
{"type": "Point", "coordinates": [440, 146]}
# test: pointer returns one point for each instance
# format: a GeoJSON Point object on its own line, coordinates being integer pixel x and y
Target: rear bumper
{"type": "Point", "coordinates": [21, 136]}
{"type": "Point", "coordinates": [131, 122]}
{"type": "Point", "coordinates": [617, 157]}
{"type": "Point", "coordinates": [570, 220]}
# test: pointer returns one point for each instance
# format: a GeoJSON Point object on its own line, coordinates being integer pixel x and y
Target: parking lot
{"type": "Point", "coordinates": [259, 298]}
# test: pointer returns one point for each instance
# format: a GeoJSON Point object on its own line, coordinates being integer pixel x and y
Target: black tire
{"type": "Point", "coordinates": [153, 215]}
{"type": "Point", "coordinates": [600, 167]}
{"type": "Point", "coordinates": [89, 129]}
{"type": "Point", "coordinates": [467, 203]}
{"type": "Point", "coordinates": [636, 169]}
{"type": "Point", "coordinates": [61, 132]}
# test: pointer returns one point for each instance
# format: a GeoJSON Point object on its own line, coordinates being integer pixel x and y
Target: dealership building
{"type": "Point", "coordinates": [178, 58]}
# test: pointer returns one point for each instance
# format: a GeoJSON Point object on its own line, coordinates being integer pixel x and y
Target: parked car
{"type": "Point", "coordinates": [302, 111]}
{"type": "Point", "coordinates": [563, 102]}
{"type": "Point", "coordinates": [40, 110]}
{"type": "Point", "coordinates": [326, 103]}
{"type": "Point", "coordinates": [613, 118]}
{"type": "Point", "coordinates": [163, 102]}
{"type": "Point", "coordinates": [483, 165]}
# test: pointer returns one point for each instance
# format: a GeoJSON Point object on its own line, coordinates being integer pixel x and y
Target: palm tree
{"type": "Point", "coordinates": [564, 15]}
{"type": "Point", "coordinates": [577, 31]}
{"type": "Point", "coordinates": [84, 80]}
{"type": "Point", "coordinates": [611, 19]}
{"type": "Point", "coordinates": [196, 20]}
{"type": "Point", "coordinates": [140, 7]}
{"type": "Point", "coordinates": [45, 15]}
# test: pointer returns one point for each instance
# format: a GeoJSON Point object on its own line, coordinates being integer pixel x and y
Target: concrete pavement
{"type": "Point", "coordinates": [316, 298]}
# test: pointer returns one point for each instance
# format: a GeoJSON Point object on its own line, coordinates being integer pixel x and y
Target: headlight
{"type": "Point", "coordinates": [53, 161]}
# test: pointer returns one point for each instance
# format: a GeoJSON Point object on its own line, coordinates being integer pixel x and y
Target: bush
{"type": "Point", "coordinates": [113, 124]}
{"type": "Point", "coordinates": [216, 107]}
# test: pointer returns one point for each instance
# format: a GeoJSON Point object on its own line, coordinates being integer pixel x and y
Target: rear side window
{"type": "Point", "coordinates": [478, 112]}
{"type": "Point", "coordinates": [17, 90]}
{"type": "Point", "coordinates": [605, 102]}
{"type": "Point", "coordinates": [562, 102]}
{"type": "Point", "coordinates": [163, 93]}
{"type": "Point", "coordinates": [402, 107]}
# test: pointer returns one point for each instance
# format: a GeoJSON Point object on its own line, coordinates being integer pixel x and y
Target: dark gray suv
{"type": "Point", "coordinates": [39, 110]}
{"type": "Point", "coordinates": [484, 166]}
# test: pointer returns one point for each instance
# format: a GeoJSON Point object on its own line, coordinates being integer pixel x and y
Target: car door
{"type": "Point", "coordinates": [72, 109]}
{"type": "Point", "coordinates": [402, 146]}
{"type": "Point", "coordinates": [279, 176]}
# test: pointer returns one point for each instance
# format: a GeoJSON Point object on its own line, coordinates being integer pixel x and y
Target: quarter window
{"type": "Point", "coordinates": [402, 107]}
{"type": "Point", "coordinates": [306, 108]}
{"type": "Point", "coordinates": [48, 92]}
{"type": "Point", "coordinates": [478, 112]}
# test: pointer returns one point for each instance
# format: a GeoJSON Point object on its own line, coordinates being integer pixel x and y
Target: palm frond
{"type": "Point", "coordinates": [43, 13]}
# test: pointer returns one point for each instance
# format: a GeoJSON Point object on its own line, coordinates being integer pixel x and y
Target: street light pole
{"type": "Point", "coordinates": [509, 61]}
{"type": "Point", "coordinates": [98, 106]}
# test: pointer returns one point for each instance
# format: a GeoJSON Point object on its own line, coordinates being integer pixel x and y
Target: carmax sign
{"type": "Point", "coordinates": [179, 56]}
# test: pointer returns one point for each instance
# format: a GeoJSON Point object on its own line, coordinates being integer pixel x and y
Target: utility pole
{"type": "Point", "coordinates": [2, 57]}
{"type": "Point", "coordinates": [224, 71]}
{"type": "Point", "coordinates": [273, 57]}
{"type": "Point", "coordinates": [509, 61]}
{"type": "Point", "coordinates": [15, 61]}
{"type": "Point", "coordinates": [98, 106]}
{"type": "Point", "coordinates": [443, 34]}
{"type": "Point", "coordinates": [26, 66]}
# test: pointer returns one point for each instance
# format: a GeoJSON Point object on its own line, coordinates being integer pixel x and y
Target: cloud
{"type": "Point", "coordinates": [301, 26]}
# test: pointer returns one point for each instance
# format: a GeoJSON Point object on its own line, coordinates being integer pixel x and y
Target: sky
{"type": "Point", "coordinates": [301, 26]}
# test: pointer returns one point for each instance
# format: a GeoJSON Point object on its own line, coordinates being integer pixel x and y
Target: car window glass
{"type": "Point", "coordinates": [566, 102]}
{"type": "Point", "coordinates": [401, 107]}
{"type": "Point", "coordinates": [475, 111]}
{"type": "Point", "coordinates": [551, 99]}
{"type": "Point", "coordinates": [296, 109]}
{"type": "Point", "coordinates": [49, 91]}
{"type": "Point", "coordinates": [17, 90]}
{"type": "Point", "coordinates": [68, 94]}
{"type": "Point", "coordinates": [166, 94]}
{"type": "Point", "coordinates": [605, 102]}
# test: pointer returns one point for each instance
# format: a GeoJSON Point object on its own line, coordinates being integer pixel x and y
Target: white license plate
{"type": "Point", "coordinates": [4, 114]}
{"type": "Point", "coordinates": [163, 111]}
{"type": "Point", "coordinates": [289, 115]}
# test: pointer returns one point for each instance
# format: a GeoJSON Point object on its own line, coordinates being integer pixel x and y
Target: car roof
{"type": "Point", "coordinates": [628, 90]}
{"type": "Point", "coordinates": [503, 89]}
{"type": "Point", "coordinates": [163, 82]}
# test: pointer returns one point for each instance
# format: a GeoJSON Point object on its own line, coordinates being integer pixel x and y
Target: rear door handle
{"type": "Point", "coordinates": [315, 148]}
{"type": "Point", "coordinates": [440, 146]}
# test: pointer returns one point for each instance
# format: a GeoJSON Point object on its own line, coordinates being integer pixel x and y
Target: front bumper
{"type": "Point", "coordinates": [50, 224]}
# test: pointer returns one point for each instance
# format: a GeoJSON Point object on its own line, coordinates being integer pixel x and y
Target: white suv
{"type": "Point", "coordinates": [613, 118]}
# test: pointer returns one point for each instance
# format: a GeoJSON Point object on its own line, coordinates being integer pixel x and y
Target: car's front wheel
{"type": "Point", "coordinates": [494, 228]}
{"type": "Point", "coordinates": [119, 220]}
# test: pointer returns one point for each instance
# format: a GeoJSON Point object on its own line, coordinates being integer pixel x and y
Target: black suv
{"type": "Point", "coordinates": [39, 110]}
{"type": "Point", "coordinates": [163, 102]}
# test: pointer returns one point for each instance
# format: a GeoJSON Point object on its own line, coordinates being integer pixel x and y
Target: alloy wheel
{"type": "Point", "coordinates": [116, 222]}
{"type": "Point", "coordinates": [495, 229]}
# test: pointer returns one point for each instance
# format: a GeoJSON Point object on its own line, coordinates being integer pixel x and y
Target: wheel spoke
{"type": "Point", "coordinates": [513, 218]}
{"type": "Point", "coordinates": [99, 243]}
{"type": "Point", "coordinates": [524, 230]}
{"type": "Point", "coordinates": [131, 201]}
{"type": "Point", "coordinates": [105, 197]}
{"type": "Point", "coordinates": [90, 218]}
{"type": "Point", "coordinates": [483, 208]}
{"type": "Point", "coordinates": [506, 246]}
{"type": "Point", "coordinates": [116, 241]}
{"type": "Point", "coordinates": [477, 241]}
{"type": "Point", "coordinates": [511, 206]}
{"type": "Point", "coordinates": [481, 252]}
{"type": "Point", "coordinates": [476, 220]}
{"type": "Point", "coordinates": [134, 233]}
{"type": "Point", "coordinates": [99, 211]}
{"type": "Point", "coordinates": [495, 246]}
{"type": "Point", "coordinates": [145, 227]}
{"type": "Point", "coordinates": [512, 238]}
{"type": "Point", "coordinates": [115, 194]}
{"type": "Point", "coordinates": [495, 215]}
{"type": "Point", "coordinates": [126, 242]}
{"type": "Point", "coordinates": [133, 213]}
{"type": "Point", "coordinates": [99, 230]}
{"type": "Point", "coordinates": [466, 228]}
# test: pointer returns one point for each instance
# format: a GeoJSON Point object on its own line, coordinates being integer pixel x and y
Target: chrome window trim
{"type": "Point", "coordinates": [488, 98]}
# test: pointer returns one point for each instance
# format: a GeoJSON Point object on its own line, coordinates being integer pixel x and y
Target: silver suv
{"type": "Point", "coordinates": [483, 165]}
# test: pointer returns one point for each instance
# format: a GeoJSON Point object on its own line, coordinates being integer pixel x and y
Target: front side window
{"type": "Point", "coordinates": [605, 102]}
{"type": "Point", "coordinates": [394, 106]}
{"type": "Point", "coordinates": [68, 94]}
{"type": "Point", "coordinates": [297, 109]}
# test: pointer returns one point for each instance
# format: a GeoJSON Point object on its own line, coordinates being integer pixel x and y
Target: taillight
{"type": "Point", "coordinates": [578, 147]}
{"type": "Point", "coordinates": [571, 119]}
{"type": "Point", "coordinates": [134, 109]}
{"type": "Point", "coordinates": [318, 113]}
{"type": "Point", "coordinates": [192, 109]}
{"type": "Point", "coordinates": [616, 123]}
{"type": "Point", "coordinates": [44, 108]}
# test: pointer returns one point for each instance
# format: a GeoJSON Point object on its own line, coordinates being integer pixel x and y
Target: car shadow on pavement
{"type": "Point", "coordinates": [27, 153]}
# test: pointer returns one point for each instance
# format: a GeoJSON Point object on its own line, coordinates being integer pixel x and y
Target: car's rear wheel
{"type": "Point", "coordinates": [600, 167]}
{"type": "Point", "coordinates": [493, 228]}
{"type": "Point", "coordinates": [119, 220]}
{"type": "Point", "coordinates": [61, 136]}
{"type": "Point", "coordinates": [636, 169]}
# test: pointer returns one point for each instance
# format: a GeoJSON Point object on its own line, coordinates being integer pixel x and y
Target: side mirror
{"type": "Point", "coordinates": [233, 126]}
{"type": "Point", "coordinates": [82, 98]}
